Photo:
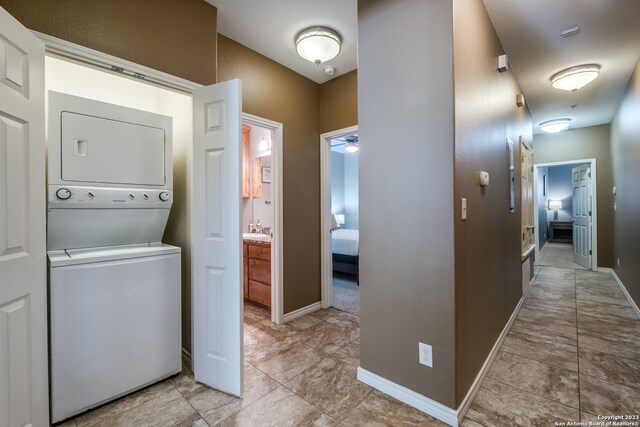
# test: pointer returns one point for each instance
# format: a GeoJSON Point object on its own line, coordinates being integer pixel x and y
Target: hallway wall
{"type": "Point", "coordinates": [586, 143]}
{"type": "Point", "coordinates": [625, 152]}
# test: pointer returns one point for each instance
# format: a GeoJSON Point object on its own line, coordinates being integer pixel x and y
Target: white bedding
{"type": "Point", "coordinates": [345, 242]}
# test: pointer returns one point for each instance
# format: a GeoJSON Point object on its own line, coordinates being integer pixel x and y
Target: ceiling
{"type": "Point", "coordinates": [270, 26]}
{"type": "Point", "coordinates": [529, 31]}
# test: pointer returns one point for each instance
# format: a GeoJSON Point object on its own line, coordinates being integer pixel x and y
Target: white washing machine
{"type": "Point", "coordinates": [114, 288]}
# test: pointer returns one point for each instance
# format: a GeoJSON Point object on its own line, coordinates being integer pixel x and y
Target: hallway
{"type": "Point", "coordinates": [573, 353]}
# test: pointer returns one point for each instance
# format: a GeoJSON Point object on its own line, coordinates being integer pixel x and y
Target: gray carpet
{"type": "Point", "coordinates": [346, 293]}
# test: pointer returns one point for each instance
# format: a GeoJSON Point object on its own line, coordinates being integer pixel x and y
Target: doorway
{"type": "Point", "coordinates": [262, 213]}
{"type": "Point", "coordinates": [566, 214]}
{"type": "Point", "coordinates": [339, 220]}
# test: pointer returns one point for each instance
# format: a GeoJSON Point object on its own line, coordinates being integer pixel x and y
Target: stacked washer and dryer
{"type": "Point", "coordinates": [114, 288]}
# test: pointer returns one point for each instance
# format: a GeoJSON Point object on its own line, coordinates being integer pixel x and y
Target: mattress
{"type": "Point", "coordinates": [345, 242]}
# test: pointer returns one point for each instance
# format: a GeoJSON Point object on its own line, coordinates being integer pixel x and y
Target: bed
{"type": "Point", "coordinates": [345, 246]}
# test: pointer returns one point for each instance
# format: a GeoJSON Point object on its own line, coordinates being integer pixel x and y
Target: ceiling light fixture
{"type": "Point", "coordinates": [574, 78]}
{"type": "Point", "coordinates": [318, 44]}
{"type": "Point", "coordinates": [556, 125]}
{"type": "Point", "coordinates": [352, 145]}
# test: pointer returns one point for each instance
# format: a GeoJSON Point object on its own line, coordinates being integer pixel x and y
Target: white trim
{"type": "Point", "coordinates": [326, 264]}
{"type": "Point", "coordinates": [475, 387]}
{"type": "Point", "coordinates": [302, 312]}
{"type": "Point", "coordinates": [410, 397]}
{"type": "Point", "coordinates": [626, 293]}
{"type": "Point", "coordinates": [114, 64]}
{"type": "Point", "coordinates": [594, 206]}
{"type": "Point", "coordinates": [277, 242]}
{"type": "Point", "coordinates": [186, 359]}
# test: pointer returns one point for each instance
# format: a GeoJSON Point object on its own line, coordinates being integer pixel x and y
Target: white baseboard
{"type": "Point", "coordinates": [475, 387]}
{"type": "Point", "coordinates": [626, 293]}
{"type": "Point", "coordinates": [605, 270]}
{"type": "Point", "coordinates": [302, 311]}
{"type": "Point", "coordinates": [410, 397]}
{"type": "Point", "coordinates": [186, 359]}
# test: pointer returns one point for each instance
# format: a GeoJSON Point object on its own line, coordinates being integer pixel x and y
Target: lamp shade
{"type": "Point", "coordinates": [555, 204]}
{"type": "Point", "coordinates": [318, 44]}
{"type": "Point", "coordinates": [339, 219]}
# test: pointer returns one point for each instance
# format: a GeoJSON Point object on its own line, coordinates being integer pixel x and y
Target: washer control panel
{"type": "Point", "coordinates": [101, 197]}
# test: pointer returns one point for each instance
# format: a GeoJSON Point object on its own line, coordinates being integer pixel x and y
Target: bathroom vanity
{"type": "Point", "coordinates": [257, 270]}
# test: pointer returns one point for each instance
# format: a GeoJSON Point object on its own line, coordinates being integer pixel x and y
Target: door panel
{"type": "Point", "coordinates": [23, 310]}
{"type": "Point", "coordinates": [581, 181]}
{"type": "Point", "coordinates": [216, 237]}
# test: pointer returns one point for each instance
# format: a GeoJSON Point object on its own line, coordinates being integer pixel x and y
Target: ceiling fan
{"type": "Point", "coordinates": [349, 141]}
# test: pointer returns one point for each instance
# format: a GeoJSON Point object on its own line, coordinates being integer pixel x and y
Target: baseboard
{"type": "Point", "coordinates": [302, 311]}
{"type": "Point", "coordinates": [605, 270]}
{"type": "Point", "coordinates": [626, 293]}
{"type": "Point", "coordinates": [410, 397]}
{"type": "Point", "coordinates": [186, 359]}
{"type": "Point", "coordinates": [475, 387]}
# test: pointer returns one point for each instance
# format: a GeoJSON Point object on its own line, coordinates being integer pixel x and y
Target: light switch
{"type": "Point", "coordinates": [464, 208]}
{"type": "Point", "coordinates": [484, 178]}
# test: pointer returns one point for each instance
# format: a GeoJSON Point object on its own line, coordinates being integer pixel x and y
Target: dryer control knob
{"type": "Point", "coordinates": [164, 196]}
{"type": "Point", "coordinates": [63, 193]}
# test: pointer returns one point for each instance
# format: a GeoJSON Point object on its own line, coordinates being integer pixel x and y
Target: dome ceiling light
{"type": "Point", "coordinates": [318, 44]}
{"type": "Point", "coordinates": [574, 78]}
{"type": "Point", "coordinates": [556, 125]}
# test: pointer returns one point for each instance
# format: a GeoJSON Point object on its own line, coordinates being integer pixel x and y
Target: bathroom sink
{"type": "Point", "coordinates": [257, 236]}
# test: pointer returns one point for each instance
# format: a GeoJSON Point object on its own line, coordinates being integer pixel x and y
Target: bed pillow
{"type": "Point", "coordinates": [334, 223]}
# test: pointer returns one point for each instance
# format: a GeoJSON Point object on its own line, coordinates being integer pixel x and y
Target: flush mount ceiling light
{"type": "Point", "coordinates": [574, 78]}
{"type": "Point", "coordinates": [318, 44]}
{"type": "Point", "coordinates": [553, 126]}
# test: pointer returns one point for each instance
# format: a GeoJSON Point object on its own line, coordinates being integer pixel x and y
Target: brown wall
{"type": "Point", "coordinates": [586, 143]}
{"type": "Point", "coordinates": [487, 244]}
{"type": "Point", "coordinates": [405, 115]}
{"type": "Point", "coordinates": [339, 102]}
{"type": "Point", "coordinates": [274, 92]}
{"type": "Point", "coordinates": [177, 37]}
{"type": "Point", "coordinates": [625, 153]}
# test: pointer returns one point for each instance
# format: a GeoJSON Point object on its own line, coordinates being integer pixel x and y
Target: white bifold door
{"type": "Point", "coordinates": [581, 181]}
{"type": "Point", "coordinates": [23, 292]}
{"type": "Point", "coordinates": [216, 237]}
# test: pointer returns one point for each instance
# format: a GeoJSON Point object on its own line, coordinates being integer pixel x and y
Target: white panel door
{"type": "Point", "coordinates": [216, 237]}
{"type": "Point", "coordinates": [581, 179]}
{"type": "Point", "coordinates": [23, 309]}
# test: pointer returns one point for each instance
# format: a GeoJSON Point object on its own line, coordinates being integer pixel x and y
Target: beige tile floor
{"type": "Point", "coordinates": [573, 354]}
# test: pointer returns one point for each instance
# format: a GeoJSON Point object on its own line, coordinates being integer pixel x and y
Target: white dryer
{"type": "Point", "coordinates": [114, 288]}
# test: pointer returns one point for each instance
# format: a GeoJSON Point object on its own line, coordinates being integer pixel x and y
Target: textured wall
{"type": "Point", "coordinates": [487, 254]}
{"type": "Point", "coordinates": [274, 92]}
{"type": "Point", "coordinates": [405, 103]}
{"type": "Point", "coordinates": [586, 143]}
{"type": "Point", "coordinates": [339, 102]}
{"type": "Point", "coordinates": [177, 37]}
{"type": "Point", "coordinates": [625, 151]}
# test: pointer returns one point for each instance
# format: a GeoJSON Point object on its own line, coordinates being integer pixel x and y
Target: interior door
{"type": "Point", "coordinates": [527, 197]}
{"type": "Point", "coordinates": [216, 236]}
{"type": "Point", "coordinates": [581, 179]}
{"type": "Point", "coordinates": [23, 304]}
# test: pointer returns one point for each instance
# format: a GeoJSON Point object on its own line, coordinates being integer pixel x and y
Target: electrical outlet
{"type": "Point", "coordinates": [425, 355]}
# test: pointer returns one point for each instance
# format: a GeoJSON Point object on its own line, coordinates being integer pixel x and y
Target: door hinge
{"type": "Point", "coordinates": [590, 253]}
{"type": "Point", "coordinates": [589, 174]}
{"type": "Point", "coordinates": [589, 213]}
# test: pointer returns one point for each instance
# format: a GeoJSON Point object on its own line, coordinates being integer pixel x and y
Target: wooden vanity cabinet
{"type": "Point", "coordinates": [257, 272]}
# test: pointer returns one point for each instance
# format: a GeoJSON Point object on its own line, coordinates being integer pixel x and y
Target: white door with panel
{"type": "Point", "coordinates": [581, 181]}
{"type": "Point", "coordinates": [216, 237]}
{"type": "Point", "coordinates": [527, 198]}
{"type": "Point", "coordinates": [23, 292]}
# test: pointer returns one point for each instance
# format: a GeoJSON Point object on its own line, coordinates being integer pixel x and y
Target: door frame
{"type": "Point", "coordinates": [326, 263]}
{"type": "Point", "coordinates": [277, 265]}
{"type": "Point", "coordinates": [594, 204]}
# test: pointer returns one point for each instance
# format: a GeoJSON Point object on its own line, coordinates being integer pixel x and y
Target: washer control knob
{"type": "Point", "coordinates": [91, 194]}
{"type": "Point", "coordinates": [63, 193]}
{"type": "Point", "coordinates": [146, 196]}
{"type": "Point", "coordinates": [131, 196]}
{"type": "Point", "coordinates": [164, 196]}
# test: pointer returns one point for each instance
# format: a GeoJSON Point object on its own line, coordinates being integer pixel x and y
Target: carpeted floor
{"type": "Point", "coordinates": [346, 293]}
{"type": "Point", "coordinates": [557, 255]}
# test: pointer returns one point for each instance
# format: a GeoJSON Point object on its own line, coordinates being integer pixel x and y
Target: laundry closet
{"type": "Point", "coordinates": [114, 286]}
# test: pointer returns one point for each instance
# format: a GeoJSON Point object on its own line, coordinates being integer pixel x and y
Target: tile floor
{"type": "Point", "coordinates": [573, 354]}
